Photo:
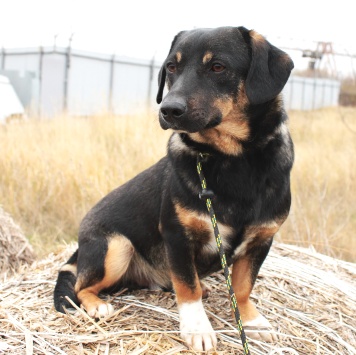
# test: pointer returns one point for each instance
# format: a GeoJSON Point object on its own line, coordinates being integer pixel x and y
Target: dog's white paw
{"type": "Point", "coordinates": [260, 329]}
{"type": "Point", "coordinates": [195, 327]}
{"type": "Point", "coordinates": [100, 310]}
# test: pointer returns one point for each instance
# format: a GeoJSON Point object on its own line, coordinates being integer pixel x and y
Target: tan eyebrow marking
{"type": "Point", "coordinates": [179, 56]}
{"type": "Point", "coordinates": [207, 56]}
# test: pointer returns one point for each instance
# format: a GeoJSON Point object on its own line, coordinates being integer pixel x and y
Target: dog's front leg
{"type": "Point", "coordinates": [195, 327]}
{"type": "Point", "coordinates": [244, 273]}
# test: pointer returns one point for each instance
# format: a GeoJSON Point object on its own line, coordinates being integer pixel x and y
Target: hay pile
{"type": "Point", "coordinates": [309, 298]}
{"type": "Point", "coordinates": [15, 250]}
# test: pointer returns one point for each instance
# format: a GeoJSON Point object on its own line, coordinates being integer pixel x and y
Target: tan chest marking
{"type": "Point", "coordinates": [199, 228]}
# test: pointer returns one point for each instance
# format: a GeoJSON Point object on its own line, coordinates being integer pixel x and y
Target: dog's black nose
{"type": "Point", "coordinates": [172, 110]}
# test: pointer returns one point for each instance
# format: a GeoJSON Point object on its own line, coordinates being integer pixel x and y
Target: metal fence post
{"type": "Point", "coordinates": [323, 94]}
{"type": "Point", "coordinates": [291, 85]}
{"type": "Point", "coordinates": [314, 93]}
{"type": "Point", "coordinates": [3, 58]}
{"type": "Point", "coordinates": [111, 85]}
{"type": "Point", "coordinates": [40, 66]}
{"type": "Point", "coordinates": [150, 79]}
{"type": "Point", "coordinates": [66, 75]}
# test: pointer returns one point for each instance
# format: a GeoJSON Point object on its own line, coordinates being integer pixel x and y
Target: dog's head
{"type": "Point", "coordinates": [212, 74]}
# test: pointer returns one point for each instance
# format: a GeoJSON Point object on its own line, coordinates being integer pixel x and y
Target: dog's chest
{"type": "Point", "coordinates": [236, 240]}
{"type": "Point", "coordinates": [199, 230]}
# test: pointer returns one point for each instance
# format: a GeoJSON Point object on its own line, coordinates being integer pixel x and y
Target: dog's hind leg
{"type": "Point", "coordinates": [100, 269]}
{"type": "Point", "coordinates": [65, 284]}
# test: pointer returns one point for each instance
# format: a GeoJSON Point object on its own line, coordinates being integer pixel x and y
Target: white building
{"type": "Point", "coordinates": [10, 105]}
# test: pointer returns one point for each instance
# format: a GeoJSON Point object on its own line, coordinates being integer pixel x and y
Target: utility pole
{"type": "Point", "coordinates": [323, 50]}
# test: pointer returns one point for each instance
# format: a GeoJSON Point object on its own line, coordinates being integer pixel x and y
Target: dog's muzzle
{"type": "Point", "coordinates": [176, 115]}
{"type": "Point", "coordinates": [172, 111]}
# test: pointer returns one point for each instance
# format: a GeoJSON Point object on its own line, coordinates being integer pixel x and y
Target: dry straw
{"type": "Point", "coordinates": [309, 298]}
{"type": "Point", "coordinates": [14, 246]}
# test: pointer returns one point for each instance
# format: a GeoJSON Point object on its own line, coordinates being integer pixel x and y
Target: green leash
{"type": "Point", "coordinates": [207, 196]}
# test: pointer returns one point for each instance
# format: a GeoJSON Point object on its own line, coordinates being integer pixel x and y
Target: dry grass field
{"type": "Point", "coordinates": [53, 171]}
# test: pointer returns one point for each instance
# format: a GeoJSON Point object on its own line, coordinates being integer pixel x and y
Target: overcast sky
{"type": "Point", "coordinates": [144, 29]}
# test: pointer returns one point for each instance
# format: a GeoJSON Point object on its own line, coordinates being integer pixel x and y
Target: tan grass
{"type": "Point", "coordinates": [53, 172]}
{"type": "Point", "coordinates": [324, 182]}
{"type": "Point", "coordinates": [309, 299]}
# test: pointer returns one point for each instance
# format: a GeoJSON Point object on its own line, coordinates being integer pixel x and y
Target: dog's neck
{"type": "Point", "coordinates": [197, 147]}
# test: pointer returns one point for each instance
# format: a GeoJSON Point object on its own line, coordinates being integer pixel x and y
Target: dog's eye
{"type": "Point", "coordinates": [217, 67]}
{"type": "Point", "coordinates": [171, 68]}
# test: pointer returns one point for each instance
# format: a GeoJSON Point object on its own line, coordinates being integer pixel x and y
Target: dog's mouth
{"type": "Point", "coordinates": [214, 122]}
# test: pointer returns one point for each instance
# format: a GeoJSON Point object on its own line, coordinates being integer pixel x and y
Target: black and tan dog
{"type": "Point", "coordinates": [223, 100]}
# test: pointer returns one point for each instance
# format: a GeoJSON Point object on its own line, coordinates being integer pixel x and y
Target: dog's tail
{"type": "Point", "coordinates": [67, 277]}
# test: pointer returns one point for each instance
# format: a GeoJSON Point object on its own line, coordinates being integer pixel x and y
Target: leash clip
{"type": "Point", "coordinates": [206, 193]}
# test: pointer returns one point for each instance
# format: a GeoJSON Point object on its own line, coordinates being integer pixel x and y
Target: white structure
{"type": "Point", "coordinates": [302, 93]}
{"type": "Point", "coordinates": [10, 104]}
{"type": "Point", "coordinates": [52, 80]}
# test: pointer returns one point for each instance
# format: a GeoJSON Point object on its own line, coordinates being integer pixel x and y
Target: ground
{"type": "Point", "coordinates": [309, 298]}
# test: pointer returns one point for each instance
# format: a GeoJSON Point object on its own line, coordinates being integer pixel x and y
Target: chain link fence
{"type": "Point", "coordinates": [53, 80]}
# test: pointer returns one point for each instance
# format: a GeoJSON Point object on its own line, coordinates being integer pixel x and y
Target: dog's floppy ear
{"type": "Point", "coordinates": [269, 69]}
{"type": "Point", "coordinates": [161, 83]}
{"type": "Point", "coordinates": [162, 72]}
